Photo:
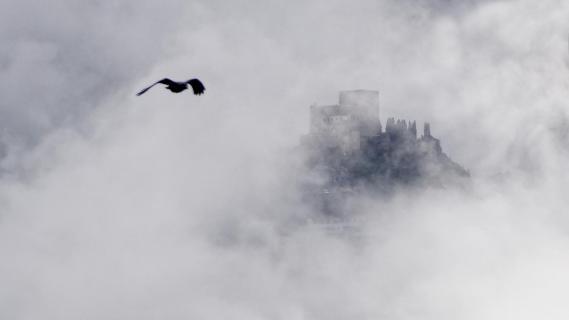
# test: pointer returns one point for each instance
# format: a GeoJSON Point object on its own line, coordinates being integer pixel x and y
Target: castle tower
{"type": "Point", "coordinates": [364, 106]}
{"type": "Point", "coordinates": [427, 129]}
{"type": "Point", "coordinates": [413, 129]}
{"type": "Point", "coordinates": [390, 125]}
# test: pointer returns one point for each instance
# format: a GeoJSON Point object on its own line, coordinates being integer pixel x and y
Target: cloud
{"type": "Point", "coordinates": [61, 60]}
{"type": "Point", "coordinates": [176, 206]}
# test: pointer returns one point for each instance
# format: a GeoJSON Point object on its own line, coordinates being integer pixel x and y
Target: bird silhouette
{"type": "Point", "coordinates": [177, 87]}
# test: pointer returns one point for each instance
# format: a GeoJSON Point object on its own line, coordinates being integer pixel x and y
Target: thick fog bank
{"type": "Point", "coordinates": [177, 206]}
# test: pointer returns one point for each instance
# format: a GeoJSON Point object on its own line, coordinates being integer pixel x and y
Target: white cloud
{"type": "Point", "coordinates": [176, 206]}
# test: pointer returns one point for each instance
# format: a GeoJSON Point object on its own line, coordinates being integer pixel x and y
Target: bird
{"type": "Point", "coordinates": [176, 87]}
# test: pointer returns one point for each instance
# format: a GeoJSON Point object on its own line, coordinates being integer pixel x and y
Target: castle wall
{"type": "Point", "coordinates": [364, 106]}
{"type": "Point", "coordinates": [343, 125]}
{"type": "Point", "coordinates": [322, 118]}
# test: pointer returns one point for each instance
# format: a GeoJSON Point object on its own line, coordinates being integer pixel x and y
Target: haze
{"type": "Point", "coordinates": [172, 206]}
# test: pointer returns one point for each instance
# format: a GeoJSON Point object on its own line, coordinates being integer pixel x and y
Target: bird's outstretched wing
{"type": "Point", "coordinates": [165, 81]}
{"type": "Point", "coordinates": [197, 86]}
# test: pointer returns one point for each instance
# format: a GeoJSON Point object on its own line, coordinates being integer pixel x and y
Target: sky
{"type": "Point", "coordinates": [169, 206]}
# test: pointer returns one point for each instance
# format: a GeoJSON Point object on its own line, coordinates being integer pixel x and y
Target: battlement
{"type": "Point", "coordinates": [354, 120]}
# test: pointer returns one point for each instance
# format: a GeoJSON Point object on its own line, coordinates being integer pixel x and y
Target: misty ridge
{"type": "Point", "coordinates": [276, 194]}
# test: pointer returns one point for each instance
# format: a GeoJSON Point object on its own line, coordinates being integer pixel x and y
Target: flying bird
{"type": "Point", "coordinates": [176, 86]}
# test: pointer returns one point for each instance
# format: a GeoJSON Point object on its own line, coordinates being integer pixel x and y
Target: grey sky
{"type": "Point", "coordinates": [114, 206]}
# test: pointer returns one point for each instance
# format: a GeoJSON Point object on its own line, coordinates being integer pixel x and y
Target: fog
{"type": "Point", "coordinates": [174, 206]}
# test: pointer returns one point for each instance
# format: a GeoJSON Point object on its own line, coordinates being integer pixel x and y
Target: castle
{"type": "Point", "coordinates": [354, 122]}
{"type": "Point", "coordinates": [349, 148]}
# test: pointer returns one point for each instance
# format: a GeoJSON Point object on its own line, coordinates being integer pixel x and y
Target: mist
{"type": "Point", "coordinates": [174, 206]}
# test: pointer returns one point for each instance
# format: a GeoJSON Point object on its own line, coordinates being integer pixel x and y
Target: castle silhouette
{"type": "Point", "coordinates": [349, 150]}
